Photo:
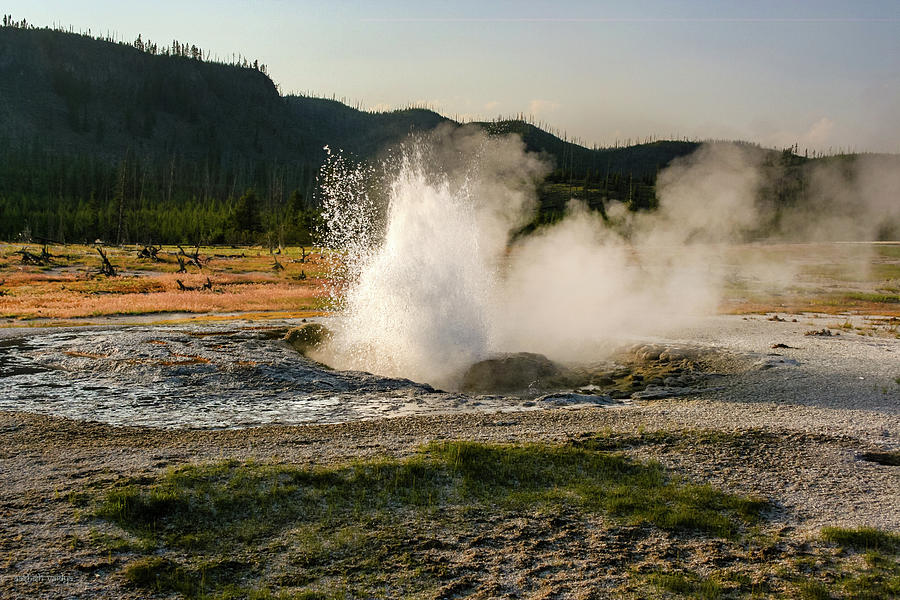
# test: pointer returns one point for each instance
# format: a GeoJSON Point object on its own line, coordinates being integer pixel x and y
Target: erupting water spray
{"type": "Point", "coordinates": [431, 280]}
{"type": "Point", "coordinates": [420, 284]}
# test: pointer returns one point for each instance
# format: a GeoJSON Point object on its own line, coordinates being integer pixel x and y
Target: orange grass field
{"type": "Point", "coordinates": [241, 280]}
{"type": "Point", "coordinates": [791, 278]}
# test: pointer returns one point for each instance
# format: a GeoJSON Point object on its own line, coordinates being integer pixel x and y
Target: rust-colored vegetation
{"type": "Point", "coordinates": [835, 279]}
{"type": "Point", "coordinates": [70, 284]}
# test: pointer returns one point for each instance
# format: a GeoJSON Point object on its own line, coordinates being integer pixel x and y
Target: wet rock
{"type": "Point", "coordinates": [770, 362]}
{"type": "Point", "coordinates": [306, 337]}
{"type": "Point", "coordinates": [653, 392]}
{"type": "Point", "coordinates": [676, 354]}
{"type": "Point", "coordinates": [573, 399]}
{"type": "Point", "coordinates": [510, 372]}
{"type": "Point", "coordinates": [824, 332]}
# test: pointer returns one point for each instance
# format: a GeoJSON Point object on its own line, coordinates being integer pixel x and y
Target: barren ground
{"type": "Point", "coordinates": [811, 425]}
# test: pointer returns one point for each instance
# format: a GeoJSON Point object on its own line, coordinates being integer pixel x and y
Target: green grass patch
{"type": "Point", "coordinates": [638, 493]}
{"type": "Point", "coordinates": [687, 584]}
{"type": "Point", "coordinates": [251, 500]}
{"type": "Point", "coordinates": [863, 538]}
{"type": "Point", "coordinates": [813, 590]}
{"type": "Point", "coordinates": [877, 297]}
{"type": "Point", "coordinates": [685, 439]}
{"type": "Point", "coordinates": [885, 271]}
{"type": "Point", "coordinates": [879, 575]}
{"type": "Point", "coordinates": [367, 526]}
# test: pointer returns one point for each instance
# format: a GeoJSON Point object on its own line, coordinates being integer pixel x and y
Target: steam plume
{"type": "Point", "coordinates": [435, 282]}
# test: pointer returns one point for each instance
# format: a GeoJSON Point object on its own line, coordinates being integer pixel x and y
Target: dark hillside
{"type": "Point", "coordinates": [114, 141]}
{"type": "Point", "coordinates": [572, 160]}
{"type": "Point", "coordinates": [98, 137]}
{"type": "Point", "coordinates": [75, 93]}
{"type": "Point", "coordinates": [361, 133]}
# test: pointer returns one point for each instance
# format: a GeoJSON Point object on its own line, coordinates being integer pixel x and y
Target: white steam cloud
{"type": "Point", "coordinates": [422, 296]}
{"type": "Point", "coordinates": [852, 200]}
{"type": "Point", "coordinates": [435, 280]}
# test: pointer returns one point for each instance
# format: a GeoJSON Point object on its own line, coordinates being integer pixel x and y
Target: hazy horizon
{"type": "Point", "coordinates": [822, 75]}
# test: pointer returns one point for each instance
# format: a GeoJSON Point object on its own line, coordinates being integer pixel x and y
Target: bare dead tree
{"type": "Point", "coordinates": [182, 266]}
{"type": "Point", "coordinates": [106, 267]}
{"type": "Point", "coordinates": [277, 266]}
{"type": "Point", "coordinates": [150, 253]}
{"type": "Point", "coordinates": [194, 258]}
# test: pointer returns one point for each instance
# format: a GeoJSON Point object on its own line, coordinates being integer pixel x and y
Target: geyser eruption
{"type": "Point", "coordinates": [433, 281]}
{"type": "Point", "coordinates": [422, 277]}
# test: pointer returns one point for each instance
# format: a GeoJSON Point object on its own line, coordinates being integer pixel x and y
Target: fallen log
{"type": "Point", "coordinates": [189, 288]}
{"type": "Point", "coordinates": [30, 258]}
{"type": "Point", "coordinates": [150, 253]}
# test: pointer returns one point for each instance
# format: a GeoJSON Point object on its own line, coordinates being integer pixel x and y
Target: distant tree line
{"type": "Point", "coordinates": [177, 48]}
{"type": "Point", "coordinates": [80, 199]}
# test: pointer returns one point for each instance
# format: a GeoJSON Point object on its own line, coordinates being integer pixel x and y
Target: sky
{"type": "Point", "coordinates": [821, 74]}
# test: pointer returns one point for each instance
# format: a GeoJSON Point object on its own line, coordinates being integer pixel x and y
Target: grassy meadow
{"type": "Point", "coordinates": [431, 525]}
{"type": "Point", "coordinates": [855, 278]}
{"type": "Point", "coordinates": [227, 280]}
{"type": "Point", "coordinates": [859, 279]}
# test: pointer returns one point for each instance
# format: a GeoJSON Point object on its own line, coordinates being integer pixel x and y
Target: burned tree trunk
{"type": "Point", "coordinates": [188, 288]}
{"type": "Point", "coordinates": [193, 258]}
{"type": "Point", "coordinates": [150, 252]}
{"type": "Point", "coordinates": [29, 258]}
{"type": "Point", "coordinates": [106, 268]}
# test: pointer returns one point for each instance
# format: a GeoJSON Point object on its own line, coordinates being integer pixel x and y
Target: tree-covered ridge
{"type": "Point", "coordinates": [91, 129]}
{"type": "Point", "coordinates": [177, 47]}
{"type": "Point", "coordinates": [133, 142]}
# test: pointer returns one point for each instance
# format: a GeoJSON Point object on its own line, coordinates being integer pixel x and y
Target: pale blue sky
{"type": "Point", "coordinates": [823, 74]}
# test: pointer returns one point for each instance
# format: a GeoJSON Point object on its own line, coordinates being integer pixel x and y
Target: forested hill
{"type": "Point", "coordinates": [104, 139]}
{"type": "Point", "coordinates": [123, 142]}
{"type": "Point", "coordinates": [67, 94]}
{"type": "Point", "coordinates": [91, 129]}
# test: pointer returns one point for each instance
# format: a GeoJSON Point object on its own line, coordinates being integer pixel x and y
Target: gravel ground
{"type": "Point", "coordinates": [797, 419]}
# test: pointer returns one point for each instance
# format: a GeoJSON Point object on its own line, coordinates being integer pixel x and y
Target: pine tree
{"type": "Point", "coordinates": [246, 217]}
